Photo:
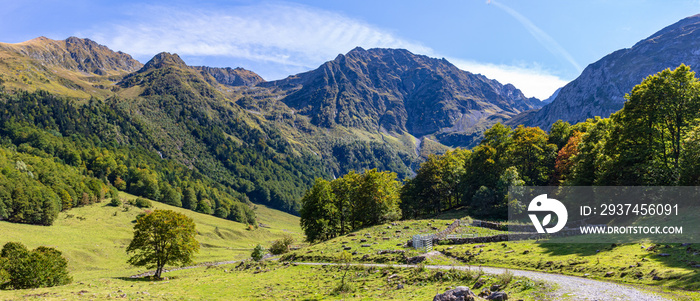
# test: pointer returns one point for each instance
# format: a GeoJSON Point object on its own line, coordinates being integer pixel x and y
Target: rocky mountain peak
{"type": "Point", "coordinates": [75, 54]}
{"type": "Point", "coordinates": [397, 91]}
{"type": "Point", "coordinates": [164, 59]}
{"type": "Point", "coordinates": [231, 77]}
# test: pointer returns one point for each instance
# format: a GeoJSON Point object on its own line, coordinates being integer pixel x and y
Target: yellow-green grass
{"type": "Point", "coordinates": [626, 263]}
{"type": "Point", "coordinates": [94, 238]}
{"type": "Point", "coordinates": [368, 242]}
{"type": "Point", "coordinates": [275, 281]}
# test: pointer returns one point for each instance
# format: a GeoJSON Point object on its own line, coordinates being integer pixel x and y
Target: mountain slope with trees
{"type": "Point", "coordinates": [229, 130]}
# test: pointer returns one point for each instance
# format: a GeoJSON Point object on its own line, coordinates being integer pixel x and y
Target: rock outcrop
{"type": "Point", "coordinates": [460, 293]}
{"type": "Point", "coordinates": [397, 91]}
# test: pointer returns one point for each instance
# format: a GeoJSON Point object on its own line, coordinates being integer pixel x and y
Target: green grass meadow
{"type": "Point", "coordinates": [94, 238]}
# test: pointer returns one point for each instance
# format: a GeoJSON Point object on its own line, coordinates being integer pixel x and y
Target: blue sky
{"type": "Point", "coordinates": [537, 45]}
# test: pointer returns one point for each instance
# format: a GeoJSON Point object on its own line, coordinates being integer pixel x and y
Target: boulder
{"type": "Point", "coordinates": [415, 260]}
{"type": "Point", "coordinates": [479, 283]}
{"type": "Point", "coordinates": [498, 296]}
{"type": "Point", "coordinates": [460, 293]}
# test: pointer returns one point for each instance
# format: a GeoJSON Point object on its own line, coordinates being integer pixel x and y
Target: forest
{"type": "Point", "coordinates": [653, 140]}
{"type": "Point", "coordinates": [55, 155]}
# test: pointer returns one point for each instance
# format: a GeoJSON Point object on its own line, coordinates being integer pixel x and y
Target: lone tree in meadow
{"type": "Point", "coordinates": [163, 237]}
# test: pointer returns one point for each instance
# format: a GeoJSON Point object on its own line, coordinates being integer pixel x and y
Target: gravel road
{"type": "Point", "coordinates": [570, 288]}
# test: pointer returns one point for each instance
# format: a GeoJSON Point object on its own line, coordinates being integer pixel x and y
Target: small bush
{"type": "Point", "coordinates": [115, 202]}
{"type": "Point", "coordinates": [343, 288]}
{"type": "Point", "coordinates": [281, 246]}
{"type": "Point", "coordinates": [142, 203]}
{"type": "Point", "coordinates": [505, 278]}
{"type": "Point", "coordinates": [258, 253]}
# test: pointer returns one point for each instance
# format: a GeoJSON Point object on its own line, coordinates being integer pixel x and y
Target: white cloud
{"type": "Point", "coordinates": [285, 34]}
{"type": "Point", "coordinates": [293, 37]}
{"type": "Point", "coordinates": [533, 81]}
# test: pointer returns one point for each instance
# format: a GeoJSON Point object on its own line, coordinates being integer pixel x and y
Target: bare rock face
{"type": "Point", "coordinates": [75, 54]}
{"type": "Point", "coordinates": [397, 91]}
{"type": "Point", "coordinates": [601, 87]}
{"type": "Point", "coordinates": [232, 77]}
{"type": "Point", "coordinates": [460, 293]}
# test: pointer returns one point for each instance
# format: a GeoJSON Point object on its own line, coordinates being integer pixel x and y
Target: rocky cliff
{"type": "Point", "coordinates": [397, 91]}
{"type": "Point", "coordinates": [601, 87]}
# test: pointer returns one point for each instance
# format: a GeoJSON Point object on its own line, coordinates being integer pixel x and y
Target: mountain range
{"type": "Point", "coordinates": [369, 108]}
{"type": "Point", "coordinates": [600, 89]}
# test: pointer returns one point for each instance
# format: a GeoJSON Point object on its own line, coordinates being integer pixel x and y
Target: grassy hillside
{"type": "Point", "coordinates": [94, 238]}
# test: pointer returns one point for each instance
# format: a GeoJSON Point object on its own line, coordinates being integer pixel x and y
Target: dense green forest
{"type": "Point", "coordinates": [333, 208]}
{"type": "Point", "coordinates": [653, 140]}
{"type": "Point", "coordinates": [56, 154]}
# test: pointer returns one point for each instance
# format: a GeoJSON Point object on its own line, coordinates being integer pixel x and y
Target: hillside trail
{"type": "Point", "coordinates": [568, 287]}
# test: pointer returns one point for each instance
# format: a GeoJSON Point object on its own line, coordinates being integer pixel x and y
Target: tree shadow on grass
{"type": "Point", "coordinates": [682, 261]}
{"type": "Point", "coordinates": [139, 279]}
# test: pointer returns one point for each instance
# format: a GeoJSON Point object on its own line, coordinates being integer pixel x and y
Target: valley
{"type": "Point", "coordinates": [347, 163]}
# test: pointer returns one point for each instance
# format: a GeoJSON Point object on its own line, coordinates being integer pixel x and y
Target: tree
{"type": "Point", "coordinates": [170, 196]}
{"type": "Point", "coordinates": [560, 133]}
{"type": "Point", "coordinates": [436, 185]}
{"type": "Point", "coordinates": [533, 155]}
{"type": "Point", "coordinates": [564, 163]}
{"type": "Point", "coordinates": [317, 212]}
{"type": "Point", "coordinates": [344, 258]}
{"type": "Point", "coordinates": [646, 144]}
{"type": "Point", "coordinates": [690, 169]}
{"type": "Point", "coordinates": [189, 199]}
{"type": "Point", "coordinates": [41, 267]}
{"type": "Point", "coordinates": [377, 199]}
{"type": "Point", "coordinates": [163, 237]}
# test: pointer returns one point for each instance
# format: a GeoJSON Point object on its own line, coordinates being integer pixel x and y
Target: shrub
{"type": "Point", "coordinates": [281, 246]}
{"type": "Point", "coordinates": [142, 203]}
{"type": "Point", "coordinates": [505, 278]}
{"type": "Point", "coordinates": [115, 202]}
{"type": "Point", "coordinates": [258, 253]}
{"type": "Point", "coordinates": [41, 267]}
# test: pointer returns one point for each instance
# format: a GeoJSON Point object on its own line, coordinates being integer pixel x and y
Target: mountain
{"type": "Point", "coordinates": [397, 91]}
{"type": "Point", "coordinates": [601, 87]}
{"type": "Point", "coordinates": [551, 98]}
{"type": "Point", "coordinates": [228, 134]}
{"type": "Point", "coordinates": [231, 76]}
{"type": "Point", "coordinates": [75, 67]}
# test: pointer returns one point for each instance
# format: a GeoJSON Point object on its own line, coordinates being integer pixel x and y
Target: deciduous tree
{"type": "Point", "coordinates": [163, 237]}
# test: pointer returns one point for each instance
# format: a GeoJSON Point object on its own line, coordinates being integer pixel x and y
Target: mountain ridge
{"type": "Point", "coordinates": [601, 87]}
{"type": "Point", "coordinates": [398, 91]}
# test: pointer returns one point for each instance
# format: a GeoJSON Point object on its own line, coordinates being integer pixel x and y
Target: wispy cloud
{"type": "Point", "coordinates": [542, 37]}
{"type": "Point", "coordinates": [286, 35]}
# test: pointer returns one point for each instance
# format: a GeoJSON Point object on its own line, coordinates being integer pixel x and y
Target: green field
{"type": "Point", "coordinates": [94, 238]}
{"type": "Point", "coordinates": [275, 281]}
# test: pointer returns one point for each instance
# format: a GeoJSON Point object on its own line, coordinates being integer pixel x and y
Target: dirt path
{"type": "Point", "coordinates": [569, 287]}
